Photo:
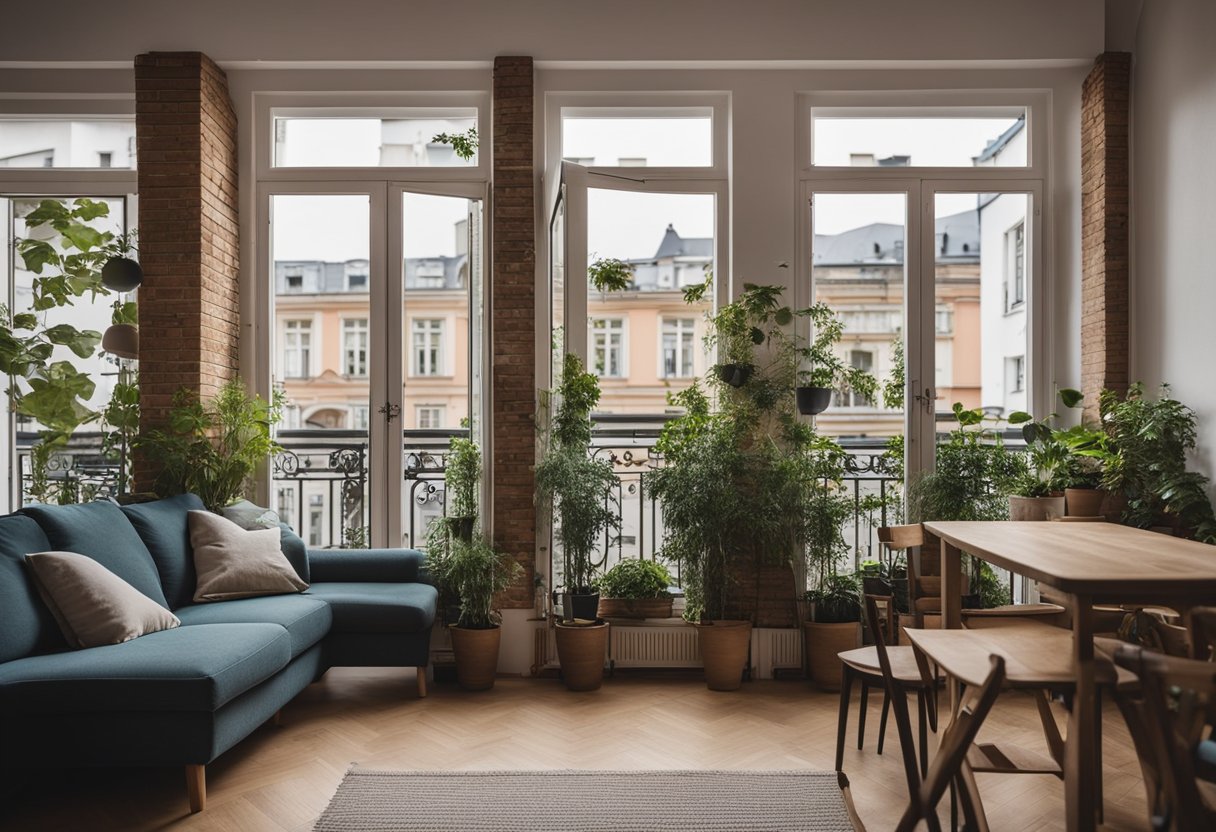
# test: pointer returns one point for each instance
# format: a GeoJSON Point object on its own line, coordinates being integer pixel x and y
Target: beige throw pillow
{"type": "Point", "coordinates": [93, 605]}
{"type": "Point", "coordinates": [234, 563]}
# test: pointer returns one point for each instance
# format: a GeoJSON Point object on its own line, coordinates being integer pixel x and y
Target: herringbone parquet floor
{"type": "Point", "coordinates": [281, 777]}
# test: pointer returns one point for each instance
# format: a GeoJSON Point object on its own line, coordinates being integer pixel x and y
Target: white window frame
{"type": "Point", "coordinates": [435, 411]}
{"type": "Point", "coordinates": [308, 359]}
{"type": "Point", "coordinates": [919, 185]}
{"type": "Point", "coordinates": [621, 329]}
{"type": "Point", "coordinates": [440, 348]}
{"type": "Point", "coordinates": [348, 330]}
{"type": "Point", "coordinates": [1012, 303]}
{"type": "Point", "coordinates": [679, 320]}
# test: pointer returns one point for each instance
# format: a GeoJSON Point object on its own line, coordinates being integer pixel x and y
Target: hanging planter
{"type": "Point", "coordinates": [121, 274]}
{"type": "Point", "coordinates": [813, 400]}
{"type": "Point", "coordinates": [736, 375]}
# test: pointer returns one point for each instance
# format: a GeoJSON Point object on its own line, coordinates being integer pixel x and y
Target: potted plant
{"type": "Point", "coordinates": [212, 449]}
{"type": "Point", "coordinates": [834, 627]}
{"type": "Point", "coordinates": [472, 572]}
{"type": "Point", "coordinates": [972, 478]}
{"type": "Point", "coordinates": [828, 370]}
{"type": "Point", "coordinates": [1146, 463]}
{"type": "Point", "coordinates": [744, 485]}
{"type": "Point", "coordinates": [577, 490]}
{"type": "Point", "coordinates": [461, 477]}
{"type": "Point", "coordinates": [635, 588]}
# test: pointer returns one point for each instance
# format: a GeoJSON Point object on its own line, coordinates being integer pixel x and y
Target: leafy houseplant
{"type": "Point", "coordinates": [213, 449]}
{"type": "Point", "coordinates": [1147, 462]}
{"type": "Point", "coordinates": [971, 480]}
{"type": "Point", "coordinates": [635, 588]}
{"type": "Point", "coordinates": [744, 484]}
{"type": "Point", "coordinates": [66, 255]}
{"type": "Point", "coordinates": [468, 571]}
{"type": "Point", "coordinates": [828, 370]}
{"type": "Point", "coordinates": [576, 488]}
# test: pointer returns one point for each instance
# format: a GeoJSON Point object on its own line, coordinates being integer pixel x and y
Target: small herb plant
{"type": "Point", "coordinates": [213, 449]}
{"type": "Point", "coordinates": [608, 274]}
{"type": "Point", "coordinates": [472, 572]}
{"type": "Point", "coordinates": [635, 579]}
{"type": "Point", "coordinates": [463, 144]}
{"type": "Point", "coordinates": [827, 367]}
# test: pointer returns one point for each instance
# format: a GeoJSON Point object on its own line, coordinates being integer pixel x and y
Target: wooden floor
{"type": "Point", "coordinates": [281, 777]}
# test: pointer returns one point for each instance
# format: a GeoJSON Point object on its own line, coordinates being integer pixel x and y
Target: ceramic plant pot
{"type": "Point", "coordinates": [1084, 502]}
{"type": "Point", "coordinates": [724, 648]}
{"type": "Point", "coordinates": [582, 650]}
{"type": "Point", "coordinates": [476, 656]}
{"type": "Point", "coordinates": [824, 643]}
{"type": "Point", "coordinates": [813, 400]}
{"type": "Point", "coordinates": [1036, 508]}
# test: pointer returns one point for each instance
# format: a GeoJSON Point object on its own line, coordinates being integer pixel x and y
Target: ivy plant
{"type": "Point", "coordinates": [463, 144]}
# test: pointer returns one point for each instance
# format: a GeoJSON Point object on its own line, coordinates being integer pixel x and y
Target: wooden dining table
{"type": "Point", "coordinates": [1087, 564]}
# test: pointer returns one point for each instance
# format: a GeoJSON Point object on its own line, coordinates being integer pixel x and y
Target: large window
{"type": "Point", "coordinates": [638, 137]}
{"type": "Point", "coordinates": [428, 346]}
{"type": "Point", "coordinates": [897, 138]}
{"type": "Point", "coordinates": [608, 347]}
{"type": "Point", "coordinates": [354, 347]}
{"type": "Point", "coordinates": [297, 349]}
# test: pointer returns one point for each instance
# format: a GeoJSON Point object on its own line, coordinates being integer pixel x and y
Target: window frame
{"type": "Point", "coordinates": [440, 347]}
{"type": "Point", "coordinates": [680, 331]}
{"type": "Point", "coordinates": [309, 354]}
{"type": "Point", "coordinates": [623, 347]}
{"type": "Point", "coordinates": [366, 332]}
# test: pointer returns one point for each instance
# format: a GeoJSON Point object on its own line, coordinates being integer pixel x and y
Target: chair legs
{"type": "Point", "coordinates": [923, 737]}
{"type": "Point", "coordinates": [842, 721]}
{"type": "Point", "coordinates": [882, 723]}
{"type": "Point", "coordinates": [861, 713]}
{"type": "Point", "coordinates": [421, 682]}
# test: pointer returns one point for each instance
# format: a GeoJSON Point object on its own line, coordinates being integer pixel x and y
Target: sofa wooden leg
{"type": "Point", "coordinates": [278, 717]}
{"type": "Point", "coordinates": [421, 682]}
{"type": "Point", "coordinates": [196, 787]}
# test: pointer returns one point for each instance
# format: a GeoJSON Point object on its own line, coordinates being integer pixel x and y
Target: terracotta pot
{"type": "Point", "coordinates": [635, 607]}
{"type": "Point", "coordinates": [1084, 502]}
{"type": "Point", "coordinates": [823, 644]}
{"type": "Point", "coordinates": [582, 651]}
{"type": "Point", "coordinates": [476, 656]}
{"type": "Point", "coordinates": [724, 648]}
{"type": "Point", "coordinates": [1036, 508]}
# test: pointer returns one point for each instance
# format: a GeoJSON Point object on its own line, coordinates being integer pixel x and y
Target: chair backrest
{"type": "Point", "coordinates": [1203, 633]}
{"type": "Point", "coordinates": [949, 764]}
{"type": "Point", "coordinates": [898, 538]}
{"type": "Point", "coordinates": [1176, 705]}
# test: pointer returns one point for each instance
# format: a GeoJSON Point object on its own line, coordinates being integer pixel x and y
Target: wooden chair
{"type": "Point", "coordinates": [925, 585]}
{"type": "Point", "coordinates": [926, 785]}
{"type": "Point", "coordinates": [1169, 715]}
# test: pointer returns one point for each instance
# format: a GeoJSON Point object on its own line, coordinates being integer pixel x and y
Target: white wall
{"type": "Point", "coordinates": [1174, 207]}
{"type": "Point", "coordinates": [397, 30]}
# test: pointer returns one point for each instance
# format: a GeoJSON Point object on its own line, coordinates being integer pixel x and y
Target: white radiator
{"type": "Point", "coordinates": [658, 646]}
{"type": "Point", "coordinates": [774, 649]}
{"type": "Point", "coordinates": [676, 645]}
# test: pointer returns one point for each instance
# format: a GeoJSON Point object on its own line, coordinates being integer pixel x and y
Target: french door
{"type": "Point", "coordinates": [940, 285]}
{"type": "Point", "coordinates": [375, 299]}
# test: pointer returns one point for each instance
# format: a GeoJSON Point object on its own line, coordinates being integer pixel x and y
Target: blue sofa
{"type": "Point", "coordinates": [187, 695]}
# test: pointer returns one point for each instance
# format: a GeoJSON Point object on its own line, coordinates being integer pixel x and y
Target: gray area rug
{"type": "Point", "coordinates": [586, 801]}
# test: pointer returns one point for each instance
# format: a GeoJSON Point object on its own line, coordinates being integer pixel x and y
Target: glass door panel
{"type": "Point", "coordinates": [859, 268]}
{"type": "Point", "coordinates": [440, 344]}
{"type": "Point", "coordinates": [645, 341]}
{"type": "Point", "coordinates": [323, 365]}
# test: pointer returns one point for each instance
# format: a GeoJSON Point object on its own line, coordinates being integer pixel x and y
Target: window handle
{"type": "Point", "coordinates": [391, 411]}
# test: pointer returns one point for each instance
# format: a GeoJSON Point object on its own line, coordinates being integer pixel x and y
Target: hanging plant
{"type": "Point", "coordinates": [463, 144]}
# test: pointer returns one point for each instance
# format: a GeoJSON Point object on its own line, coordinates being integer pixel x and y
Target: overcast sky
{"type": "Point", "coordinates": [623, 224]}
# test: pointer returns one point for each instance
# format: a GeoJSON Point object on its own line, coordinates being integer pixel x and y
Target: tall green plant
{"type": "Point", "coordinates": [577, 490]}
{"type": "Point", "coordinates": [472, 572]}
{"type": "Point", "coordinates": [743, 480]}
{"type": "Point", "coordinates": [213, 449]}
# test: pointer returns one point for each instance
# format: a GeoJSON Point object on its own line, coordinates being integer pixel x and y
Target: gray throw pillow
{"type": "Point", "coordinates": [249, 515]}
{"type": "Point", "coordinates": [232, 562]}
{"type": "Point", "coordinates": [92, 605]}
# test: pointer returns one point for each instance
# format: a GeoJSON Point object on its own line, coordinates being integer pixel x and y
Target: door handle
{"type": "Point", "coordinates": [391, 411]}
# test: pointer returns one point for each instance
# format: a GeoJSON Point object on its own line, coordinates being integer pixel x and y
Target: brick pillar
{"type": "Point", "coordinates": [1104, 228]}
{"type": "Point", "coordinates": [188, 234]}
{"type": "Point", "coordinates": [513, 330]}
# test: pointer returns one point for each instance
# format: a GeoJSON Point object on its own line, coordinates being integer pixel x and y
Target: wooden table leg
{"type": "Point", "coordinates": [1080, 766]}
{"type": "Point", "coordinates": [952, 586]}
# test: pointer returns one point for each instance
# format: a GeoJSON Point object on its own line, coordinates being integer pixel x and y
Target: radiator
{"type": "Point", "coordinates": [676, 646]}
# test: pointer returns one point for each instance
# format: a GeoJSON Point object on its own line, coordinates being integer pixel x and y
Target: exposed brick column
{"type": "Point", "coordinates": [1104, 227]}
{"type": "Point", "coordinates": [188, 234]}
{"type": "Point", "coordinates": [513, 330]}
